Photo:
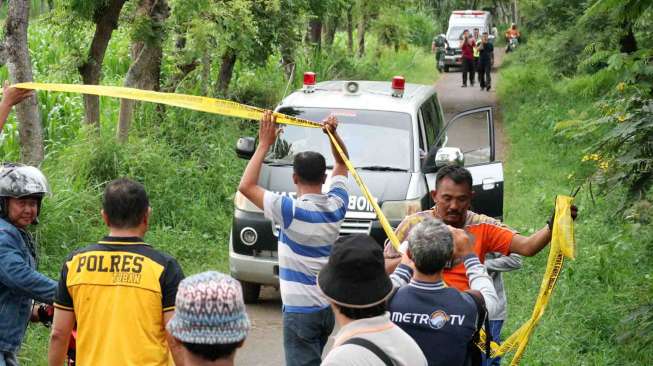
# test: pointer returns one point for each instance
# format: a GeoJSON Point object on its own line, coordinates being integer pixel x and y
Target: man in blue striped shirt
{"type": "Point", "coordinates": [309, 225]}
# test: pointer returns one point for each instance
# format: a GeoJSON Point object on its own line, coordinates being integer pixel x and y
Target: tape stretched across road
{"type": "Point", "coordinates": [562, 242]}
{"type": "Point", "coordinates": [215, 106]}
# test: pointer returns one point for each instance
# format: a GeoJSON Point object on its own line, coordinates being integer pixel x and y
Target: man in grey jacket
{"type": "Point", "coordinates": [21, 191]}
{"type": "Point", "coordinates": [496, 263]}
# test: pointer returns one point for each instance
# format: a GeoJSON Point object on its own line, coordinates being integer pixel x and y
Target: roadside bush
{"type": "Point", "coordinates": [561, 137]}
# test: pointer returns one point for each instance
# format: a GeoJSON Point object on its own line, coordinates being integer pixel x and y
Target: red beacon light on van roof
{"type": "Point", "coordinates": [398, 86]}
{"type": "Point", "coordinates": [309, 81]}
{"type": "Point", "coordinates": [469, 12]}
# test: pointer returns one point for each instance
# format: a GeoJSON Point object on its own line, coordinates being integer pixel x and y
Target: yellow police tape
{"type": "Point", "coordinates": [562, 242]}
{"type": "Point", "coordinates": [216, 106]}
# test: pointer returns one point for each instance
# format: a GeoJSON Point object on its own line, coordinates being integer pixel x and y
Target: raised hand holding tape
{"type": "Point", "coordinates": [562, 243]}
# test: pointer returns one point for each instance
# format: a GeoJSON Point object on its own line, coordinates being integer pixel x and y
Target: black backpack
{"type": "Point", "coordinates": [474, 354]}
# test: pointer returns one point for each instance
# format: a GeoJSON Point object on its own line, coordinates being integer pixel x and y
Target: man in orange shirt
{"type": "Point", "coordinates": [453, 196]}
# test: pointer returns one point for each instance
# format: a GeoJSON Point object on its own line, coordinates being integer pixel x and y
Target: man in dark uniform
{"type": "Point", "coordinates": [486, 59]}
{"type": "Point", "coordinates": [439, 47]}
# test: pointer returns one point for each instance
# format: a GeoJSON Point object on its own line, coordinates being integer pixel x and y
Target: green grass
{"type": "Point", "coordinates": [611, 276]}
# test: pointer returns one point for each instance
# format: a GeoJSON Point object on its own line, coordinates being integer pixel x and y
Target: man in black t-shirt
{"type": "Point", "coordinates": [486, 59]}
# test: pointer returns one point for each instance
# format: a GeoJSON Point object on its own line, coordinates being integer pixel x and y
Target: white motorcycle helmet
{"type": "Point", "coordinates": [21, 181]}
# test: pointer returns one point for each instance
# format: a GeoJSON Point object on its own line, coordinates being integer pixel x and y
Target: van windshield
{"type": "Point", "coordinates": [377, 140]}
{"type": "Point", "coordinates": [455, 33]}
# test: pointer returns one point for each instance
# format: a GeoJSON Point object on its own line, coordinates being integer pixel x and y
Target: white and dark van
{"type": "Point", "coordinates": [397, 139]}
{"type": "Point", "coordinates": [459, 20]}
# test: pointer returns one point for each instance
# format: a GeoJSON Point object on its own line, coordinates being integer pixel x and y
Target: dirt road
{"type": "Point", "coordinates": [264, 346]}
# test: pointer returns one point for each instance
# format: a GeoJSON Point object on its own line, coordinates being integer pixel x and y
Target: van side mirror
{"type": "Point", "coordinates": [245, 147]}
{"type": "Point", "coordinates": [449, 156]}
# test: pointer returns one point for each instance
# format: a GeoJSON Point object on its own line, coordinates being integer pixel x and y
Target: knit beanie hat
{"type": "Point", "coordinates": [209, 309]}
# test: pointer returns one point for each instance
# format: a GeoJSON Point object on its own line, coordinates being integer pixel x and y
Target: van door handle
{"type": "Point", "coordinates": [489, 183]}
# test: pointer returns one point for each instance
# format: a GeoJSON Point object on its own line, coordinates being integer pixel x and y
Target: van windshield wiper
{"type": "Point", "coordinates": [381, 168]}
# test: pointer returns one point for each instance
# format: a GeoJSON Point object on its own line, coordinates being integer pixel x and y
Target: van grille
{"type": "Point", "coordinates": [349, 226]}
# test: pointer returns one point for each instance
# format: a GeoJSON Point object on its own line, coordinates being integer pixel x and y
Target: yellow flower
{"type": "Point", "coordinates": [604, 165]}
{"type": "Point", "coordinates": [621, 118]}
{"type": "Point", "coordinates": [621, 86]}
{"type": "Point", "coordinates": [591, 157]}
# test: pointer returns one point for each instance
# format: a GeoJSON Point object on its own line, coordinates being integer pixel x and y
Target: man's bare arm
{"type": "Point", "coordinates": [10, 97]}
{"type": "Point", "coordinates": [249, 182]}
{"type": "Point", "coordinates": [530, 245]}
{"type": "Point", "coordinates": [62, 328]}
{"type": "Point", "coordinates": [339, 167]}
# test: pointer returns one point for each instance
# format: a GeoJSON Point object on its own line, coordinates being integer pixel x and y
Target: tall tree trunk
{"type": "Point", "coordinates": [145, 71]}
{"type": "Point", "coordinates": [350, 29]}
{"type": "Point", "coordinates": [226, 70]}
{"type": "Point", "coordinates": [362, 25]}
{"type": "Point", "coordinates": [20, 70]}
{"type": "Point", "coordinates": [330, 31]}
{"type": "Point", "coordinates": [3, 52]}
{"type": "Point", "coordinates": [315, 31]}
{"type": "Point", "coordinates": [106, 20]}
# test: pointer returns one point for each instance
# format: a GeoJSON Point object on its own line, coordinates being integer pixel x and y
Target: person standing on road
{"type": "Point", "coordinates": [120, 291]}
{"type": "Point", "coordinates": [438, 48]}
{"type": "Point", "coordinates": [467, 48]}
{"type": "Point", "coordinates": [486, 59]}
{"type": "Point", "coordinates": [309, 225]}
{"type": "Point", "coordinates": [497, 263]}
{"type": "Point", "coordinates": [21, 191]}
{"type": "Point", "coordinates": [358, 288]}
{"type": "Point", "coordinates": [210, 319]}
{"type": "Point", "coordinates": [444, 321]}
{"type": "Point", "coordinates": [477, 41]}
{"type": "Point", "coordinates": [453, 196]}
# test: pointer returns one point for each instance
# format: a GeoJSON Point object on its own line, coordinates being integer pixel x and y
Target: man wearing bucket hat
{"type": "Point", "coordinates": [355, 283]}
{"type": "Point", "coordinates": [210, 319]}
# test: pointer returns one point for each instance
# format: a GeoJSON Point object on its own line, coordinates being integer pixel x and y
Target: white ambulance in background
{"type": "Point", "coordinates": [458, 22]}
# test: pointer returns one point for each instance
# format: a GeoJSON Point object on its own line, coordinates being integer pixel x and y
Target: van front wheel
{"type": "Point", "coordinates": [251, 291]}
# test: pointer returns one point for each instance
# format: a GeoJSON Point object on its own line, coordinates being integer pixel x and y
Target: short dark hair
{"type": "Point", "coordinates": [475, 28]}
{"type": "Point", "coordinates": [125, 202]}
{"type": "Point", "coordinates": [310, 166]}
{"type": "Point", "coordinates": [370, 312]}
{"type": "Point", "coordinates": [212, 352]}
{"type": "Point", "coordinates": [456, 173]}
{"type": "Point", "coordinates": [485, 34]}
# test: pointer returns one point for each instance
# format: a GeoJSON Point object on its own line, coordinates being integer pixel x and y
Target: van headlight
{"type": "Point", "coordinates": [397, 210]}
{"type": "Point", "coordinates": [242, 203]}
